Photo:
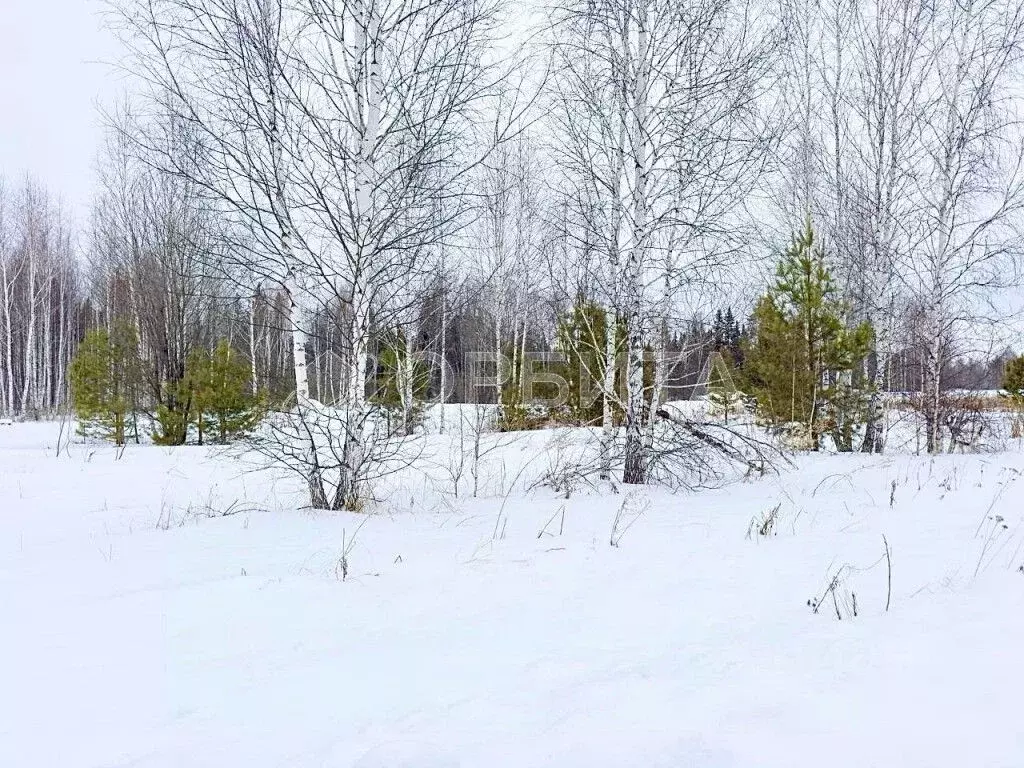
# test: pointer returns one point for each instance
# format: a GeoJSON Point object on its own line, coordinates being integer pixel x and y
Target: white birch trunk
{"type": "Point", "coordinates": [408, 378]}
{"type": "Point", "coordinates": [62, 336]}
{"type": "Point", "coordinates": [635, 460]}
{"type": "Point", "coordinates": [368, 101]}
{"type": "Point", "coordinates": [368, 81]}
{"type": "Point", "coordinates": [299, 339]}
{"type": "Point", "coordinates": [522, 364]}
{"type": "Point", "coordinates": [30, 332]}
{"type": "Point", "coordinates": [611, 354]}
{"type": "Point", "coordinates": [8, 341]}
{"type": "Point", "coordinates": [46, 351]}
{"type": "Point", "coordinates": [498, 367]}
{"type": "Point", "coordinates": [444, 356]}
{"type": "Point", "coordinates": [608, 391]}
{"type": "Point", "coordinates": [253, 371]}
{"type": "Point", "coordinates": [660, 354]}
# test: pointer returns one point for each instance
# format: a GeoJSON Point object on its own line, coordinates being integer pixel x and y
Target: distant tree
{"type": "Point", "coordinates": [40, 294]}
{"type": "Point", "coordinates": [727, 336]}
{"type": "Point", "coordinates": [225, 399]}
{"type": "Point", "coordinates": [175, 410]}
{"type": "Point", "coordinates": [802, 360]}
{"type": "Point", "coordinates": [1013, 382]}
{"type": "Point", "coordinates": [215, 395]}
{"type": "Point", "coordinates": [581, 337]}
{"type": "Point", "coordinates": [105, 381]}
{"type": "Point", "coordinates": [403, 379]}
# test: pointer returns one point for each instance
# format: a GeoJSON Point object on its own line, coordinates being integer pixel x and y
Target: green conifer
{"type": "Point", "coordinates": [225, 396]}
{"type": "Point", "coordinates": [104, 377]}
{"type": "Point", "coordinates": [1013, 381]}
{"type": "Point", "coordinates": [802, 363]}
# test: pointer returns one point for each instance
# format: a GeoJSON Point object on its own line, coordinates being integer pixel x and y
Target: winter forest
{"type": "Point", "coordinates": [392, 204]}
{"type": "Point", "coordinates": [482, 259]}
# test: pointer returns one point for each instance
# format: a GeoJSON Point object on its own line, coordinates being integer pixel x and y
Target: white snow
{"type": "Point", "coordinates": [138, 629]}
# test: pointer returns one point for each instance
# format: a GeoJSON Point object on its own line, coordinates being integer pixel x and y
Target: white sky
{"type": "Point", "coordinates": [54, 67]}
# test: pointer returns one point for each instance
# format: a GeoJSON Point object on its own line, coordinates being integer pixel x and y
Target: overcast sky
{"type": "Point", "coordinates": [51, 76]}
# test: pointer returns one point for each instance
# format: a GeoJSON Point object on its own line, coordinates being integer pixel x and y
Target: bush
{"type": "Point", "coordinates": [515, 417]}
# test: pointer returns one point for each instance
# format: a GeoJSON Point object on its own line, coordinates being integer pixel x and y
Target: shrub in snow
{"type": "Point", "coordinates": [765, 523]}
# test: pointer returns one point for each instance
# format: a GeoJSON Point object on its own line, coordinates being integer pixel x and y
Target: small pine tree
{"type": "Point", "coordinates": [393, 390]}
{"type": "Point", "coordinates": [1013, 381]}
{"type": "Point", "coordinates": [581, 337]}
{"type": "Point", "coordinates": [723, 396]}
{"type": "Point", "coordinates": [104, 377]}
{"type": "Point", "coordinates": [176, 410]}
{"type": "Point", "coordinates": [226, 395]}
{"type": "Point", "coordinates": [801, 364]}
{"type": "Point", "coordinates": [1013, 390]}
{"type": "Point", "coordinates": [215, 396]}
{"type": "Point", "coordinates": [199, 373]}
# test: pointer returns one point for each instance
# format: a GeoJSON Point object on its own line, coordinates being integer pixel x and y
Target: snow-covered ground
{"type": "Point", "coordinates": [142, 626]}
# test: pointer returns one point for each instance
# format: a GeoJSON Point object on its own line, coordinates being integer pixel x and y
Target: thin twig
{"type": "Point", "coordinates": [888, 560]}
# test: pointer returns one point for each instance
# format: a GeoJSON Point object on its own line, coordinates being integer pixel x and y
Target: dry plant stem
{"type": "Point", "coordinates": [559, 511]}
{"type": "Point", "coordinates": [888, 561]}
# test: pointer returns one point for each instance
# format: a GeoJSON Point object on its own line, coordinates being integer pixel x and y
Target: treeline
{"type": "Point", "coordinates": [42, 316]}
{"type": "Point", "coordinates": [145, 288]}
{"type": "Point", "coordinates": [349, 194]}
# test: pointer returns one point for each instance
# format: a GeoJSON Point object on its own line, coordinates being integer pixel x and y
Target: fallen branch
{"type": "Point", "coordinates": [763, 452]}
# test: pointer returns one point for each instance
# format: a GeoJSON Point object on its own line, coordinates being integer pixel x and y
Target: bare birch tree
{"type": "Point", "coordinates": [972, 186]}
{"type": "Point", "coordinates": [659, 104]}
{"type": "Point", "coordinates": [330, 130]}
{"type": "Point", "coordinates": [40, 300]}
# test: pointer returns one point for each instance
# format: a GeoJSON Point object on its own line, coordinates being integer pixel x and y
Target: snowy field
{"type": "Point", "coordinates": [171, 608]}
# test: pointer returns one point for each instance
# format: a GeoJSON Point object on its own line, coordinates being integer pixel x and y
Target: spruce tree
{"type": "Point", "coordinates": [719, 333]}
{"type": "Point", "coordinates": [726, 336]}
